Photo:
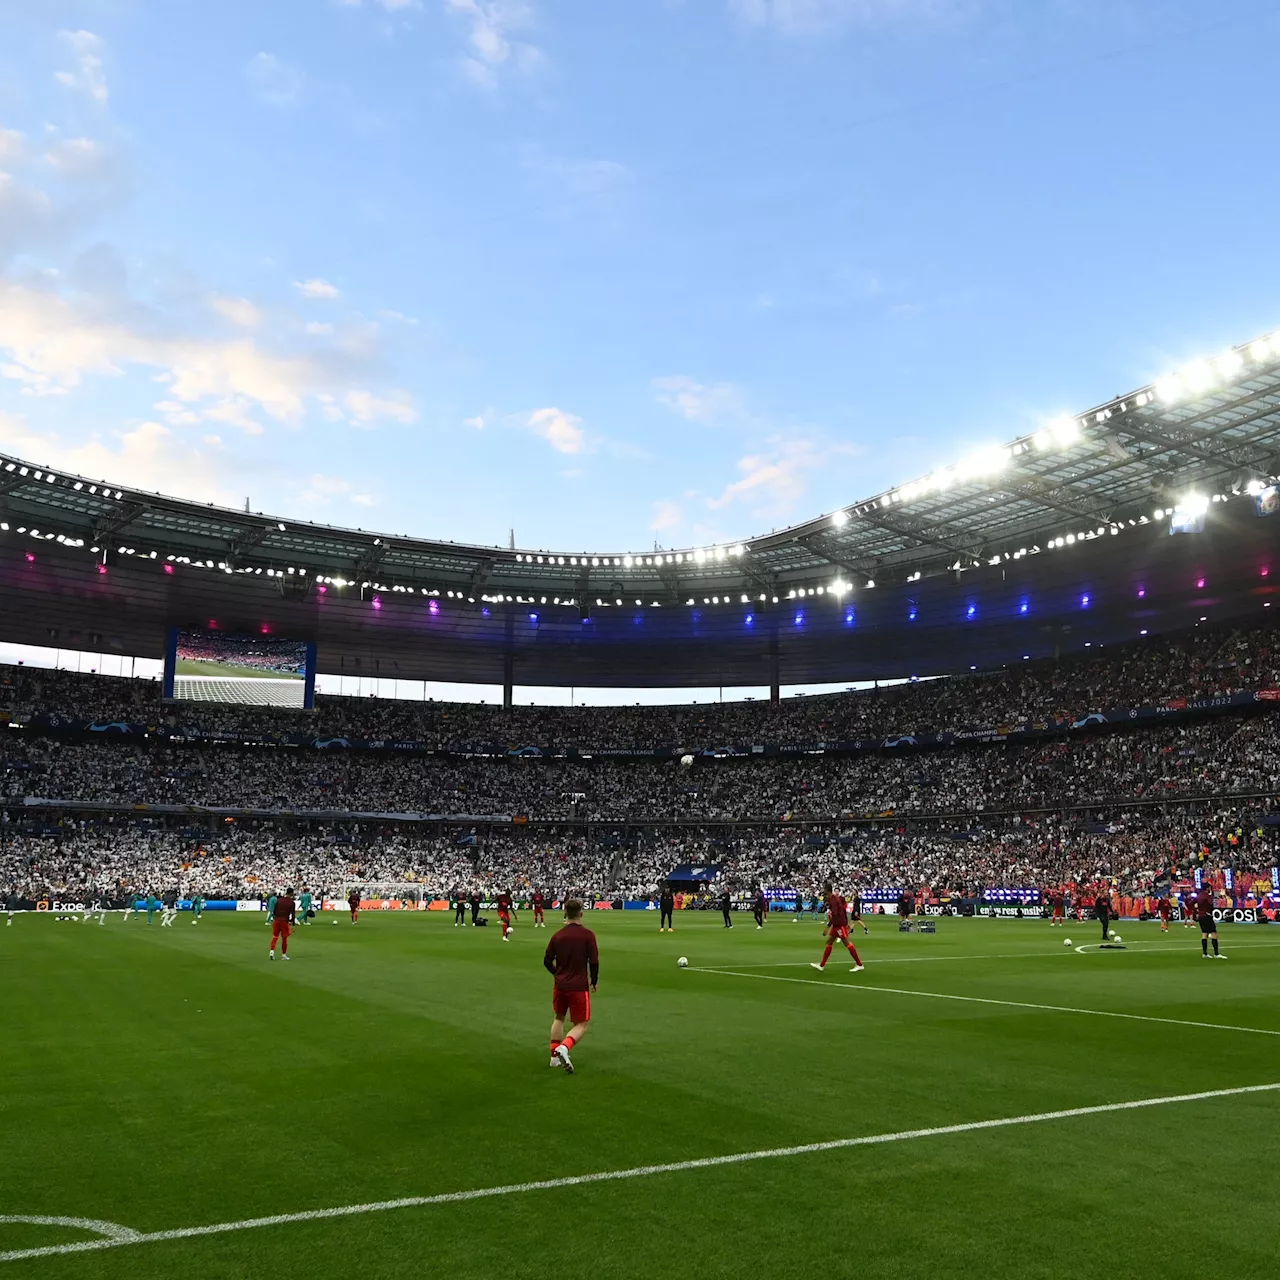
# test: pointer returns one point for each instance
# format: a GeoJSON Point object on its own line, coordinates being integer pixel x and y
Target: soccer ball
{"type": "Point", "coordinates": [683, 962]}
{"type": "Point", "coordinates": [686, 762]}
{"type": "Point", "coordinates": [1066, 942]}
{"type": "Point", "coordinates": [1115, 937]}
{"type": "Point", "coordinates": [335, 924]}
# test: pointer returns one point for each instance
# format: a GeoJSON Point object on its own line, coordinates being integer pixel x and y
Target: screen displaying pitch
{"type": "Point", "coordinates": [264, 671]}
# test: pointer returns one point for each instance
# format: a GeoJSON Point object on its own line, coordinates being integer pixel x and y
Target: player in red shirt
{"type": "Point", "coordinates": [353, 901]}
{"type": "Point", "coordinates": [539, 919]}
{"type": "Point", "coordinates": [1164, 909]}
{"type": "Point", "coordinates": [504, 915]}
{"type": "Point", "coordinates": [1059, 908]}
{"type": "Point", "coordinates": [837, 930]}
{"type": "Point", "coordinates": [573, 960]}
{"type": "Point", "coordinates": [282, 924]}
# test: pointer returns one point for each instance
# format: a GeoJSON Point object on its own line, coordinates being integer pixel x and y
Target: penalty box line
{"type": "Point", "coordinates": [128, 1237]}
{"type": "Point", "coordinates": [1011, 1004]}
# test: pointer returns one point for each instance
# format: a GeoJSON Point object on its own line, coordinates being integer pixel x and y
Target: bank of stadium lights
{"type": "Point", "coordinates": [1202, 376]}
{"type": "Point", "coordinates": [699, 555]}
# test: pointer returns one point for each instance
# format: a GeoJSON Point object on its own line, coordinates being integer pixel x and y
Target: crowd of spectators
{"type": "Point", "coordinates": [81, 858]}
{"type": "Point", "coordinates": [1201, 663]}
{"type": "Point", "coordinates": [1018, 812]}
{"type": "Point", "coordinates": [1225, 754]}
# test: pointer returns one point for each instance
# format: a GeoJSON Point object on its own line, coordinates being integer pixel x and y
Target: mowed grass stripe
{"type": "Point", "coordinates": [123, 1237]}
{"type": "Point", "coordinates": [989, 1000]}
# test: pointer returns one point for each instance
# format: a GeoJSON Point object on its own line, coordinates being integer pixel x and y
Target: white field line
{"type": "Point", "coordinates": [1138, 947]}
{"type": "Point", "coordinates": [1011, 1004]}
{"type": "Point", "coordinates": [586, 1179]}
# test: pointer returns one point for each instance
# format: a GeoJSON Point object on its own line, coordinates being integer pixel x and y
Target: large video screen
{"type": "Point", "coordinates": [263, 671]}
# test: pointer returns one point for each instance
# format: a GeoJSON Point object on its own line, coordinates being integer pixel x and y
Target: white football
{"type": "Point", "coordinates": [1115, 937]}
{"type": "Point", "coordinates": [1066, 942]}
{"type": "Point", "coordinates": [686, 762]}
{"type": "Point", "coordinates": [683, 962]}
{"type": "Point", "coordinates": [335, 924]}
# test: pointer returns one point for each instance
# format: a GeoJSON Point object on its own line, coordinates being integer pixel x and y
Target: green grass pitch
{"type": "Point", "coordinates": [202, 667]}
{"type": "Point", "coordinates": [167, 1078]}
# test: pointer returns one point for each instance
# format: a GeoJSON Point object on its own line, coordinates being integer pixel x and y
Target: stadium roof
{"type": "Point", "coordinates": [1208, 435]}
{"type": "Point", "coordinates": [1211, 429]}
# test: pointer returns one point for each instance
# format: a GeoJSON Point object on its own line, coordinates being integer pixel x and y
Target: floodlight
{"type": "Point", "coordinates": [1230, 364]}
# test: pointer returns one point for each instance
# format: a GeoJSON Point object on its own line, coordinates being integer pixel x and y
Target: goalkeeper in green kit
{"type": "Point", "coordinates": [304, 906]}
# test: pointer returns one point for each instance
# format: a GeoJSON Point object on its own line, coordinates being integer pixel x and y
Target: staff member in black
{"type": "Point", "coordinates": [759, 907]}
{"type": "Point", "coordinates": [1102, 912]}
{"type": "Point", "coordinates": [460, 909]}
{"type": "Point", "coordinates": [666, 904]}
{"type": "Point", "coordinates": [726, 905]}
{"type": "Point", "coordinates": [475, 906]}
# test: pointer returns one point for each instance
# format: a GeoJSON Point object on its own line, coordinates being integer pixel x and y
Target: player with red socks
{"type": "Point", "coordinates": [504, 915]}
{"type": "Point", "coordinates": [353, 901]}
{"type": "Point", "coordinates": [573, 960]}
{"type": "Point", "coordinates": [539, 919]}
{"type": "Point", "coordinates": [282, 922]}
{"type": "Point", "coordinates": [837, 930]}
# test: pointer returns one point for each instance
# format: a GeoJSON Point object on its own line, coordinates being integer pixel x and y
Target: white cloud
{"type": "Point", "coordinates": [390, 6]}
{"type": "Point", "coordinates": [317, 328]}
{"type": "Point", "coordinates": [698, 401]}
{"type": "Point", "coordinates": [239, 311]}
{"type": "Point", "coordinates": [149, 455]}
{"type": "Point", "coordinates": [88, 77]}
{"type": "Point", "coordinates": [666, 515]}
{"type": "Point", "coordinates": [84, 173]}
{"type": "Point", "coordinates": [13, 146]}
{"type": "Point", "coordinates": [79, 157]}
{"type": "Point", "coordinates": [773, 480]}
{"type": "Point", "coordinates": [490, 24]}
{"type": "Point", "coordinates": [316, 288]}
{"type": "Point", "coordinates": [795, 17]}
{"type": "Point", "coordinates": [562, 431]}
{"type": "Point", "coordinates": [271, 81]}
{"type": "Point", "coordinates": [320, 489]}
{"type": "Point", "coordinates": [366, 408]}
{"type": "Point", "coordinates": [48, 343]}
{"type": "Point", "coordinates": [476, 423]}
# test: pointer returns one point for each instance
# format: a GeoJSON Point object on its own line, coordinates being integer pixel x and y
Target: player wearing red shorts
{"type": "Point", "coordinates": [1058, 901]}
{"type": "Point", "coordinates": [282, 923]}
{"type": "Point", "coordinates": [353, 901]}
{"type": "Point", "coordinates": [1164, 908]}
{"type": "Point", "coordinates": [573, 960]}
{"type": "Point", "coordinates": [837, 930]}
{"type": "Point", "coordinates": [539, 919]}
{"type": "Point", "coordinates": [504, 915]}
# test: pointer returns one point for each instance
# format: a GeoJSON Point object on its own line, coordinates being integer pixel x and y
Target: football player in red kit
{"type": "Point", "coordinates": [282, 924]}
{"type": "Point", "coordinates": [353, 901]}
{"type": "Point", "coordinates": [837, 930]}
{"type": "Point", "coordinates": [539, 919]}
{"type": "Point", "coordinates": [504, 915]}
{"type": "Point", "coordinates": [1164, 909]}
{"type": "Point", "coordinates": [573, 960]}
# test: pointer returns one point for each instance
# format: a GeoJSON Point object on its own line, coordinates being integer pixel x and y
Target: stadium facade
{"type": "Point", "coordinates": [1056, 541]}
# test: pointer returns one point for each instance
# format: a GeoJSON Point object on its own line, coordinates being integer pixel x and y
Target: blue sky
{"type": "Point", "coordinates": [616, 271]}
